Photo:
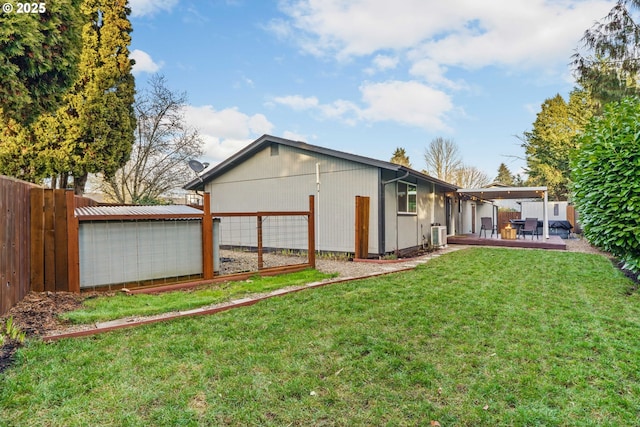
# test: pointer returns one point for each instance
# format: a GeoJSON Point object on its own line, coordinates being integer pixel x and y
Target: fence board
{"type": "Point", "coordinates": [49, 242]}
{"type": "Point", "coordinates": [37, 239]}
{"type": "Point", "coordinates": [14, 241]}
{"type": "Point", "coordinates": [362, 227]}
{"type": "Point", "coordinates": [504, 217]}
{"type": "Point", "coordinates": [60, 247]}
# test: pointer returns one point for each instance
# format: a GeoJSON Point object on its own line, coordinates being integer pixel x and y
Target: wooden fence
{"type": "Point", "coordinates": [252, 241]}
{"type": "Point", "coordinates": [15, 242]}
{"type": "Point", "coordinates": [504, 217]}
{"type": "Point", "coordinates": [40, 242]}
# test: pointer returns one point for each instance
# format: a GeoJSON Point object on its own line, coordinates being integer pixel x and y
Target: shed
{"type": "Point", "coordinates": [127, 244]}
{"type": "Point", "coordinates": [274, 173]}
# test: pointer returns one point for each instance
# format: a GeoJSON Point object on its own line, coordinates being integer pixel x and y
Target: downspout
{"type": "Point", "coordinates": [318, 207]}
{"type": "Point", "coordinates": [396, 179]}
{"type": "Point", "coordinates": [381, 214]}
{"type": "Point", "coordinates": [384, 183]}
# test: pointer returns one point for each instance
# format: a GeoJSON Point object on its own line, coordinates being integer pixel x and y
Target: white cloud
{"type": "Point", "coordinates": [150, 7]}
{"type": "Point", "coordinates": [408, 103]}
{"type": "Point", "coordinates": [144, 62]}
{"type": "Point", "coordinates": [384, 62]}
{"type": "Point", "coordinates": [225, 131]}
{"type": "Point", "coordinates": [297, 102]}
{"type": "Point", "coordinates": [433, 73]}
{"type": "Point", "coordinates": [465, 33]}
{"type": "Point", "coordinates": [294, 136]}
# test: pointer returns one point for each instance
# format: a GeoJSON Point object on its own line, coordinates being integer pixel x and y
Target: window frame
{"type": "Point", "coordinates": [405, 210]}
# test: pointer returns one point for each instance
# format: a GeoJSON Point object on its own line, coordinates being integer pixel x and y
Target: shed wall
{"type": "Point", "coordinates": [283, 178]}
{"type": "Point", "coordinates": [113, 252]}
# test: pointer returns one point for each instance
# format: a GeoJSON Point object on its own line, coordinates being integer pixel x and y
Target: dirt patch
{"type": "Point", "coordinates": [37, 315]}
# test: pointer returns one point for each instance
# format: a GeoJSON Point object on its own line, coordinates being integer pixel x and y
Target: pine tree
{"type": "Point", "coordinates": [400, 157]}
{"type": "Point", "coordinates": [554, 136]}
{"type": "Point", "coordinates": [95, 126]}
{"type": "Point", "coordinates": [610, 67]}
{"type": "Point", "coordinates": [504, 175]}
{"type": "Point", "coordinates": [38, 59]}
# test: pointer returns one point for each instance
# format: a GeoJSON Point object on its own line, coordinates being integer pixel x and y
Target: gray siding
{"type": "Point", "coordinates": [266, 182]}
{"type": "Point", "coordinates": [404, 230]}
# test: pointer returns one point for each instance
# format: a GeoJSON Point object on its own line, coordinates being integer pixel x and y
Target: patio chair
{"type": "Point", "coordinates": [530, 226]}
{"type": "Point", "coordinates": [486, 223]}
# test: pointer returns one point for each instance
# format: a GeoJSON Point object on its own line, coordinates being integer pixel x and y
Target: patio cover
{"type": "Point", "coordinates": [497, 193]}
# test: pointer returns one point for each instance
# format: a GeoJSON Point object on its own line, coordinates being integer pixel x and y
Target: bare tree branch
{"type": "Point", "coordinates": [164, 144]}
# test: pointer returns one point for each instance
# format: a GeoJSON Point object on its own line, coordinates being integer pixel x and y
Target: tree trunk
{"type": "Point", "coordinates": [79, 182]}
{"type": "Point", "coordinates": [64, 180]}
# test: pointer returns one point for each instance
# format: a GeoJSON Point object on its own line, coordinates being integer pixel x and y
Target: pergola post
{"type": "Point", "coordinates": [545, 214]}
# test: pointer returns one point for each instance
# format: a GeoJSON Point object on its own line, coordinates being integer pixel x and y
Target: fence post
{"type": "Point", "coordinates": [207, 238]}
{"type": "Point", "coordinates": [312, 231]}
{"type": "Point", "coordinates": [73, 244]}
{"type": "Point", "coordinates": [362, 227]}
{"type": "Point", "coordinates": [260, 258]}
{"type": "Point", "coordinates": [36, 196]}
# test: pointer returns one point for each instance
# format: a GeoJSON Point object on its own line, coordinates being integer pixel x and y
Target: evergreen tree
{"type": "Point", "coordinates": [400, 157]}
{"type": "Point", "coordinates": [504, 175]}
{"type": "Point", "coordinates": [549, 144]}
{"type": "Point", "coordinates": [95, 126]}
{"type": "Point", "coordinates": [38, 60]}
{"type": "Point", "coordinates": [610, 67]}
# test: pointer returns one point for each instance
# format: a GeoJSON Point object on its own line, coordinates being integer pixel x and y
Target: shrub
{"type": "Point", "coordinates": [606, 181]}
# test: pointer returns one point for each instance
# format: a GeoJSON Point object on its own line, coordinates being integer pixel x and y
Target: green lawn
{"type": "Point", "coordinates": [478, 337]}
{"type": "Point", "coordinates": [122, 305]}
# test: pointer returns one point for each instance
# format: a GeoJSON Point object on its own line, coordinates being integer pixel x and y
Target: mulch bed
{"type": "Point", "coordinates": [37, 315]}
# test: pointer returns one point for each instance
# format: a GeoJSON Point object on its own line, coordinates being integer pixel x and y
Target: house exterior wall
{"type": "Point", "coordinates": [404, 230]}
{"type": "Point", "coordinates": [282, 178]}
{"type": "Point", "coordinates": [481, 208]}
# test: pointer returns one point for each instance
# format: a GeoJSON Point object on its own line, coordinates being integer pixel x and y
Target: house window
{"type": "Point", "coordinates": [556, 209]}
{"type": "Point", "coordinates": [274, 149]}
{"type": "Point", "coordinates": [407, 197]}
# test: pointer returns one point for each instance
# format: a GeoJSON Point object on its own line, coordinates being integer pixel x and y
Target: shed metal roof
{"type": "Point", "coordinates": [134, 212]}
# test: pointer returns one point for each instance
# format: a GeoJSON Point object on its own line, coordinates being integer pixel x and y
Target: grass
{"type": "Point", "coordinates": [476, 337]}
{"type": "Point", "coordinates": [102, 309]}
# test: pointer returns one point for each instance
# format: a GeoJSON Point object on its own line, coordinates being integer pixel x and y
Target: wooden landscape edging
{"type": "Point", "coordinates": [243, 302]}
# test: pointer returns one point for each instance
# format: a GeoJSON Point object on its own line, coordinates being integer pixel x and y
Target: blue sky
{"type": "Point", "coordinates": [364, 76]}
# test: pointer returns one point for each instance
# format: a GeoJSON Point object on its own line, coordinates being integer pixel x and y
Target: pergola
{"type": "Point", "coordinates": [497, 193]}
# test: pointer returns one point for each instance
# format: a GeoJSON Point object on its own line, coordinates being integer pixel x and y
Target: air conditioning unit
{"type": "Point", "coordinates": [439, 236]}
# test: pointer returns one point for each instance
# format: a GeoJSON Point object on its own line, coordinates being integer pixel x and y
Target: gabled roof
{"type": "Point", "coordinates": [265, 140]}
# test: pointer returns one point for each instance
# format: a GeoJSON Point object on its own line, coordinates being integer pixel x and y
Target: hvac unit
{"type": "Point", "coordinates": [439, 236]}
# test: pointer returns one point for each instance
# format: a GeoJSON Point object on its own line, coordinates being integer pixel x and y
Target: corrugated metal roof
{"type": "Point", "coordinates": [137, 210]}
